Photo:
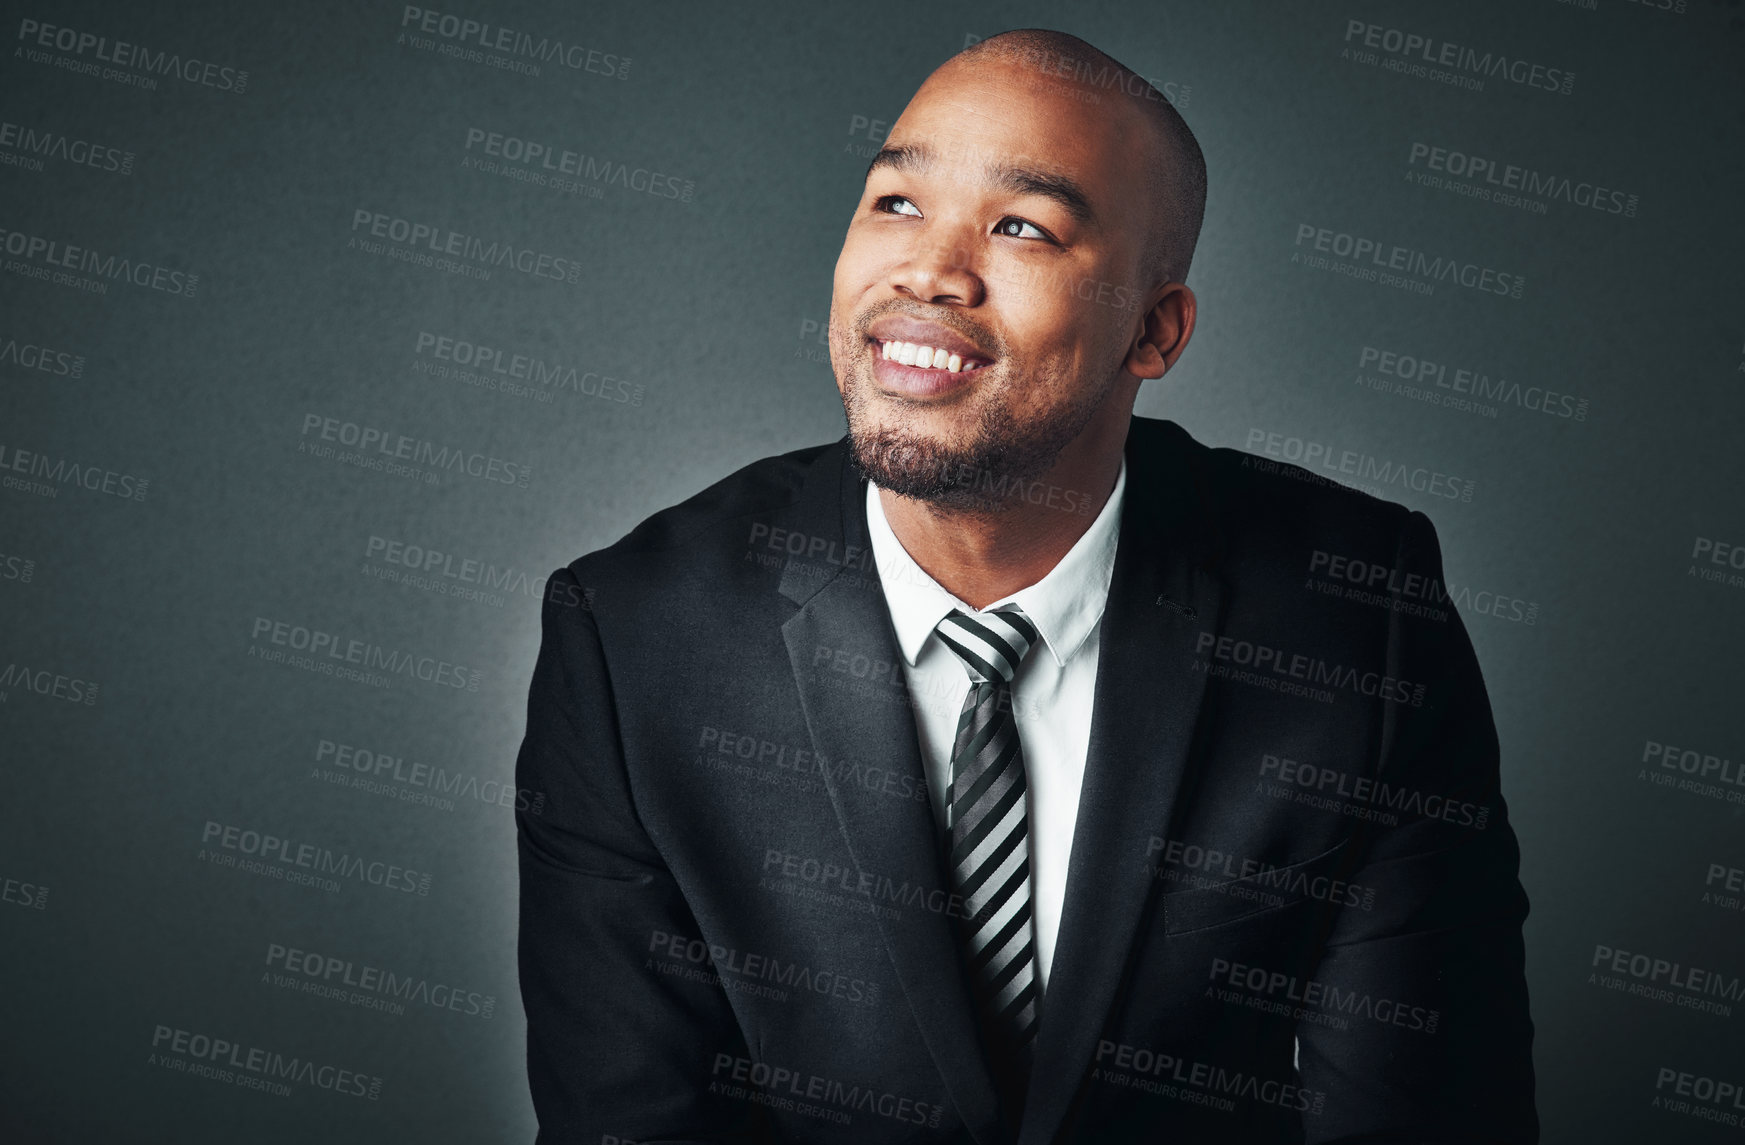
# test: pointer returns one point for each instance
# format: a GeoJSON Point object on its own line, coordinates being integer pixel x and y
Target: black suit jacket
{"type": "Point", "coordinates": [1292, 911]}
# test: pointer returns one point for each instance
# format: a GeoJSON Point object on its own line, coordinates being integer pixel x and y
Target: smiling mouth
{"type": "Point", "coordinates": [927, 357]}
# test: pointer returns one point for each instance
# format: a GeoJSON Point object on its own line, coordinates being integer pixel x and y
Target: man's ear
{"type": "Point", "coordinates": [1163, 333]}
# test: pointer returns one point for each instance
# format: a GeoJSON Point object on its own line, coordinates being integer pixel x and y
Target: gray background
{"type": "Point", "coordinates": [708, 306]}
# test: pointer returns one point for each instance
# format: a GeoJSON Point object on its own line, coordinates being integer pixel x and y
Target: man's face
{"type": "Point", "coordinates": [1031, 279]}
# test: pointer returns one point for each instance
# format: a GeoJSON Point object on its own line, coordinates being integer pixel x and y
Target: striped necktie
{"type": "Point", "coordinates": [987, 813]}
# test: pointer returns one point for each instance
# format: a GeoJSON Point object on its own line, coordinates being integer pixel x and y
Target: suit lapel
{"type": "Point", "coordinates": [1147, 698]}
{"type": "Point", "coordinates": [851, 717]}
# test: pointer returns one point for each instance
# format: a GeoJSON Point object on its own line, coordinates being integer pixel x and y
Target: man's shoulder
{"type": "Point", "coordinates": [1253, 500]}
{"type": "Point", "coordinates": [757, 491]}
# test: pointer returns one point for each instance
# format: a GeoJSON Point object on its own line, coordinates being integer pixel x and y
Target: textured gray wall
{"type": "Point", "coordinates": [171, 516]}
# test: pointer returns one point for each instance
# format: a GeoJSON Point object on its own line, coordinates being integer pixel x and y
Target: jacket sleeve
{"type": "Point", "coordinates": [616, 1050]}
{"type": "Point", "coordinates": [1438, 1047]}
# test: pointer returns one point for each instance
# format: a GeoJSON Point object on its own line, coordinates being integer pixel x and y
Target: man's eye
{"type": "Point", "coordinates": [1005, 225]}
{"type": "Point", "coordinates": [888, 203]}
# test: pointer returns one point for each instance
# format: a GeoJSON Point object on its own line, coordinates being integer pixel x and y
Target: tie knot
{"type": "Point", "coordinates": [990, 644]}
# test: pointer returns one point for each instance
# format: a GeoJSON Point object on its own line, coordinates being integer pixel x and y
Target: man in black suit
{"type": "Point", "coordinates": [1015, 768]}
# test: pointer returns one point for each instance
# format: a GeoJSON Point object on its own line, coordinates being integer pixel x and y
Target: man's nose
{"type": "Point", "coordinates": [939, 271]}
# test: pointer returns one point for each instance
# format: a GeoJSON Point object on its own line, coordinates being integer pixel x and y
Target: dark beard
{"type": "Point", "coordinates": [987, 476]}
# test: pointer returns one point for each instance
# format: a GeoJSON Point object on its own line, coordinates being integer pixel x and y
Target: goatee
{"type": "Point", "coordinates": [987, 475]}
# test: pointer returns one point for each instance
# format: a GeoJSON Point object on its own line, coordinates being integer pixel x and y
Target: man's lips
{"type": "Point", "coordinates": [908, 337]}
{"type": "Point", "coordinates": [912, 379]}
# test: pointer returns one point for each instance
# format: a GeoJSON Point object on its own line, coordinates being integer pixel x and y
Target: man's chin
{"type": "Point", "coordinates": [964, 480]}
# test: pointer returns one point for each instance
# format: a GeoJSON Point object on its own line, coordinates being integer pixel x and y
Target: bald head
{"type": "Point", "coordinates": [1173, 169]}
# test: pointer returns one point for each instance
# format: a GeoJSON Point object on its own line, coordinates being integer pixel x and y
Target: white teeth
{"type": "Point", "coordinates": [925, 357]}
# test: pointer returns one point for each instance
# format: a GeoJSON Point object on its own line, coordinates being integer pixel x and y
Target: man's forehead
{"type": "Point", "coordinates": [992, 98]}
{"type": "Point", "coordinates": [982, 113]}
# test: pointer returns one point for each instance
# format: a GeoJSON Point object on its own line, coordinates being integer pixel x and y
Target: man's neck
{"type": "Point", "coordinates": [981, 557]}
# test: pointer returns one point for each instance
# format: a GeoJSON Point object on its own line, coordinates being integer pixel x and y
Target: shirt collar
{"type": "Point", "coordinates": [1065, 605]}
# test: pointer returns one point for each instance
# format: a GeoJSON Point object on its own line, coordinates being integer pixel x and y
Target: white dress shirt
{"type": "Point", "coordinates": [1051, 694]}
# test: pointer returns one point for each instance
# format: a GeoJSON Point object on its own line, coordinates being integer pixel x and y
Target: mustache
{"type": "Point", "coordinates": [974, 331]}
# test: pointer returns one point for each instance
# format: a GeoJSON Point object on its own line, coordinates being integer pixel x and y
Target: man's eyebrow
{"type": "Point", "coordinates": [1023, 180]}
{"type": "Point", "coordinates": [901, 158]}
{"type": "Point", "coordinates": [1060, 188]}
